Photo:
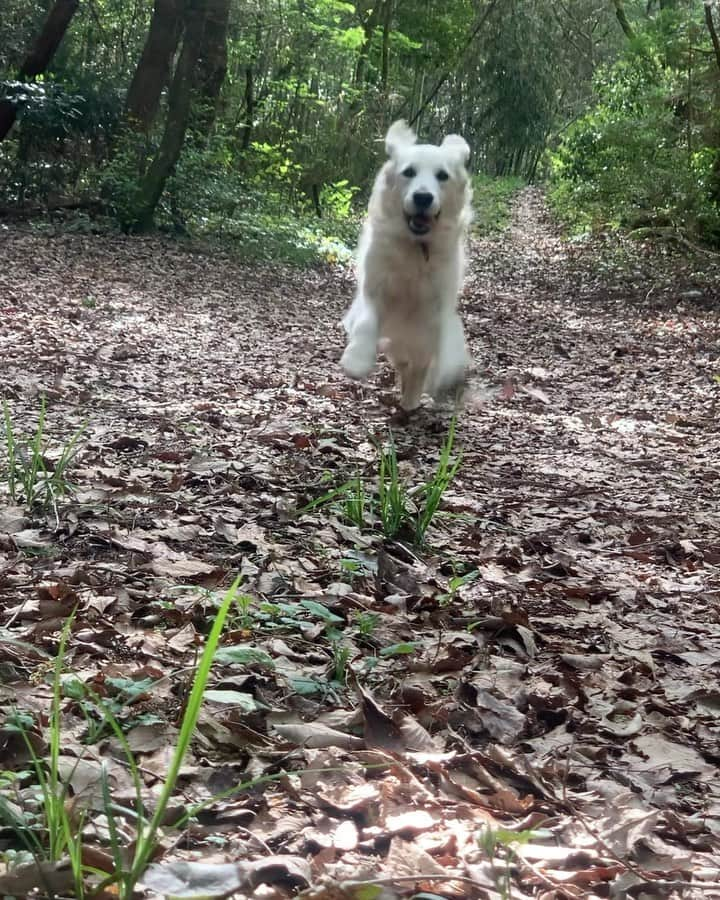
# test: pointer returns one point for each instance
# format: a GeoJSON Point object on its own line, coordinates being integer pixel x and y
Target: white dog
{"type": "Point", "coordinates": [410, 267]}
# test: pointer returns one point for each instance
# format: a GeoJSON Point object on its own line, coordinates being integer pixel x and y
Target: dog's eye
{"type": "Point", "coordinates": [442, 175]}
{"type": "Point", "coordinates": [409, 172]}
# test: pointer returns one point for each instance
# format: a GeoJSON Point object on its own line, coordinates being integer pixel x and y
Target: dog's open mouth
{"type": "Point", "coordinates": [420, 223]}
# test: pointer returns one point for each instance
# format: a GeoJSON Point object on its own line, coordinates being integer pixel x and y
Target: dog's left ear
{"type": "Point", "coordinates": [458, 146]}
{"type": "Point", "coordinates": [400, 134]}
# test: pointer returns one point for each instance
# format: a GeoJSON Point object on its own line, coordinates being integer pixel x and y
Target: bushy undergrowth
{"type": "Point", "coordinates": [261, 199]}
{"type": "Point", "coordinates": [252, 200]}
{"type": "Point", "coordinates": [491, 202]}
{"type": "Point", "coordinates": [642, 156]}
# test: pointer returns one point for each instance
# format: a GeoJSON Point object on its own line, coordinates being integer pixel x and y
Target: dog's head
{"type": "Point", "coordinates": [425, 184]}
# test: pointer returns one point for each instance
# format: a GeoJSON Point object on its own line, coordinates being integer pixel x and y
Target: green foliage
{"type": "Point", "coordinates": [644, 154]}
{"type": "Point", "coordinates": [284, 167]}
{"type": "Point", "coordinates": [356, 503]}
{"type": "Point", "coordinates": [491, 202]}
{"type": "Point", "coordinates": [433, 490]}
{"type": "Point", "coordinates": [29, 474]}
{"type": "Point", "coordinates": [405, 511]}
{"type": "Point", "coordinates": [394, 507]}
{"type": "Point", "coordinates": [62, 131]}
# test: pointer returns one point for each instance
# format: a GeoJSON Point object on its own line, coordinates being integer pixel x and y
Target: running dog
{"type": "Point", "coordinates": [411, 260]}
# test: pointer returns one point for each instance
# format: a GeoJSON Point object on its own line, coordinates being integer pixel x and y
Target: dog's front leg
{"type": "Point", "coordinates": [363, 329]}
{"type": "Point", "coordinates": [412, 380]}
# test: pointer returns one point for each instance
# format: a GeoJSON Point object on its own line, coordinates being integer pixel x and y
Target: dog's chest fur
{"type": "Point", "coordinates": [410, 282]}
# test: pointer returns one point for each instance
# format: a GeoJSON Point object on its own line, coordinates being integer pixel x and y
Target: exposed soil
{"type": "Point", "coordinates": [547, 664]}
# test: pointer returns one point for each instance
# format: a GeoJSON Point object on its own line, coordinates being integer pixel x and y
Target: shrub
{"type": "Point", "coordinates": [637, 157]}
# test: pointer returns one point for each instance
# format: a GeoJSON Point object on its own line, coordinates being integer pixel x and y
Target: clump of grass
{"type": "Point", "coordinates": [434, 489]}
{"type": "Point", "coordinates": [400, 509]}
{"type": "Point", "coordinates": [393, 500]}
{"type": "Point", "coordinates": [60, 835]}
{"type": "Point", "coordinates": [356, 503]}
{"type": "Point", "coordinates": [27, 473]}
{"type": "Point", "coordinates": [350, 500]}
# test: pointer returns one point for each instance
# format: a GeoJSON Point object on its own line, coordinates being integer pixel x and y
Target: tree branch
{"type": "Point", "coordinates": [444, 77]}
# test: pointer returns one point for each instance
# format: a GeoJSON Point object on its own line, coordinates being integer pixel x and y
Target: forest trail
{"type": "Point", "coordinates": [567, 686]}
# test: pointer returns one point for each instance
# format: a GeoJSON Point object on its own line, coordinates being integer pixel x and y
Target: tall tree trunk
{"type": "Point", "coordinates": [427, 100]}
{"type": "Point", "coordinates": [713, 32]}
{"type": "Point", "coordinates": [213, 61]}
{"type": "Point", "coordinates": [622, 18]}
{"type": "Point", "coordinates": [385, 58]}
{"type": "Point", "coordinates": [40, 54]}
{"type": "Point", "coordinates": [247, 126]}
{"type": "Point", "coordinates": [368, 21]}
{"type": "Point", "coordinates": [153, 70]}
{"type": "Point", "coordinates": [178, 117]}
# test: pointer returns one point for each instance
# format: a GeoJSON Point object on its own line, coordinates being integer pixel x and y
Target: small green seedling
{"type": "Point", "coordinates": [28, 474]}
{"type": "Point", "coordinates": [490, 841]}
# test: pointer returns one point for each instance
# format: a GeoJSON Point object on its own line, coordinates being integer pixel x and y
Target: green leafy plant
{"type": "Point", "coordinates": [457, 581]}
{"type": "Point", "coordinates": [356, 503]}
{"type": "Point", "coordinates": [350, 500]}
{"type": "Point", "coordinates": [405, 648]}
{"type": "Point", "coordinates": [28, 473]}
{"type": "Point", "coordinates": [244, 604]}
{"type": "Point", "coordinates": [366, 622]}
{"type": "Point", "coordinates": [60, 835]}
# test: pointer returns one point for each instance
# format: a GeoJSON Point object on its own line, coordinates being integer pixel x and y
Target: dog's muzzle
{"type": "Point", "coordinates": [420, 223]}
{"type": "Point", "coordinates": [421, 220]}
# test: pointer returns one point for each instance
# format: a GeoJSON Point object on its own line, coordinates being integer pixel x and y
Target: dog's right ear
{"type": "Point", "coordinates": [400, 134]}
{"type": "Point", "coordinates": [457, 145]}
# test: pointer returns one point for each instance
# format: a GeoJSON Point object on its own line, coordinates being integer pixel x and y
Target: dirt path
{"type": "Point", "coordinates": [567, 686]}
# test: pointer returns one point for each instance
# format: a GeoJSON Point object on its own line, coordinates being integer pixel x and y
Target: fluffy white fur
{"type": "Point", "coordinates": [411, 263]}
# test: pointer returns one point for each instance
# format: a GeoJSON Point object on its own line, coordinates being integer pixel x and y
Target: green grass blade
{"type": "Point", "coordinates": [146, 838]}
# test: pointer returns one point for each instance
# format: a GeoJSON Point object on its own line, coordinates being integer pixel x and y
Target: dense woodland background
{"type": "Point", "coordinates": [260, 119]}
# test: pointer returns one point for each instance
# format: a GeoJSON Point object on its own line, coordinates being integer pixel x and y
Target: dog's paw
{"type": "Point", "coordinates": [410, 401]}
{"type": "Point", "coordinates": [357, 361]}
{"type": "Point", "coordinates": [449, 387]}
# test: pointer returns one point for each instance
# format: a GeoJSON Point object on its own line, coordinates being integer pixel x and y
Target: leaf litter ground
{"type": "Point", "coordinates": [547, 667]}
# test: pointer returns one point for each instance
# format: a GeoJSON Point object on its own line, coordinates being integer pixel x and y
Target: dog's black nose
{"type": "Point", "coordinates": [422, 200]}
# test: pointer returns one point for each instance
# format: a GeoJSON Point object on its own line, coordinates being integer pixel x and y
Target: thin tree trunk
{"type": "Point", "coordinates": [715, 176]}
{"type": "Point", "coordinates": [247, 127]}
{"type": "Point", "coordinates": [710, 22]}
{"type": "Point", "coordinates": [385, 58]}
{"type": "Point", "coordinates": [40, 54]}
{"type": "Point", "coordinates": [369, 23]}
{"type": "Point", "coordinates": [482, 18]}
{"type": "Point", "coordinates": [179, 108]}
{"type": "Point", "coordinates": [153, 70]}
{"type": "Point", "coordinates": [622, 18]}
{"type": "Point", "coordinates": [213, 61]}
